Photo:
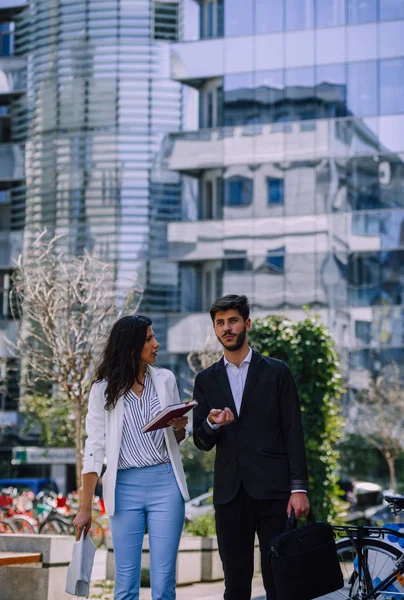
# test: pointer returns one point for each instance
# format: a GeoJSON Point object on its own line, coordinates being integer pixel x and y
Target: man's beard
{"type": "Point", "coordinates": [236, 343]}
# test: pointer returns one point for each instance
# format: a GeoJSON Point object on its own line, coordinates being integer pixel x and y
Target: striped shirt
{"type": "Point", "coordinates": [140, 449]}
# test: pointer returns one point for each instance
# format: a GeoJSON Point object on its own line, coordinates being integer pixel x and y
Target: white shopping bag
{"type": "Point", "coordinates": [79, 571]}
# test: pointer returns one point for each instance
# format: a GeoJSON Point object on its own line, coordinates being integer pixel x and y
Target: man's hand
{"type": "Point", "coordinates": [221, 417]}
{"type": "Point", "coordinates": [300, 504]}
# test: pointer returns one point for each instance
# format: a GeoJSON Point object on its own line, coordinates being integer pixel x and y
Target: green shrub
{"type": "Point", "coordinates": [203, 526]}
{"type": "Point", "coordinates": [309, 350]}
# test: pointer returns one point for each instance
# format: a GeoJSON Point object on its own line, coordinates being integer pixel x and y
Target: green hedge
{"type": "Point", "coordinates": [309, 350]}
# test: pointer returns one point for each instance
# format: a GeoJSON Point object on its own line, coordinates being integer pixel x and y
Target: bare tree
{"type": "Point", "coordinates": [380, 416]}
{"type": "Point", "coordinates": [64, 307]}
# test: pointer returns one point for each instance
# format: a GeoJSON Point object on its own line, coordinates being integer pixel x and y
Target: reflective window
{"type": "Point", "coordinates": [299, 91]}
{"type": "Point", "coordinates": [299, 14]}
{"type": "Point", "coordinates": [236, 260]}
{"type": "Point", "coordinates": [376, 278]}
{"type": "Point", "coordinates": [275, 190]}
{"type": "Point", "coordinates": [238, 191]}
{"type": "Point", "coordinates": [363, 332]}
{"type": "Point", "coordinates": [331, 90]}
{"type": "Point", "coordinates": [362, 89]}
{"type": "Point", "coordinates": [6, 39]}
{"type": "Point", "coordinates": [363, 184]}
{"type": "Point", "coordinates": [276, 260]}
{"type": "Point", "coordinates": [220, 18]}
{"type": "Point", "coordinates": [392, 86]}
{"type": "Point", "coordinates": [269, 95]}
{"type": "Point", "coordinates": [391, 9]}
{"type": "Point", "coordinates": [210, 19]}
{"type": "Point", "coordinates": [361, 11]}
{"type": "Point", "coordinates": [238, 17]}
{"type": "Point", "coordinates": [330, 13]}
{"type": "Point", "coordinates": [268, 20]}
{"type": "Point", "coordinates": [240, 107]}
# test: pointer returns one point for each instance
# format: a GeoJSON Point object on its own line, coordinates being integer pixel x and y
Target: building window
{"type": "Point", "coordinates": [363, 332]}
{"type": "Point", "coordinates": [239, 17]}
{"type": "Point", "coordinates": [166, 21]}
{"type": "Point", "coordinates": [330, 13]}
{"type": "Point", "coordinates": [392, 86]}
{"type": "Point", "coordinates": [361, 11]}
{"type": "Point", "coordinates": [208, 200]}
{"type": "Point", "coordinates": [211, 19]}
{"type": "Point", "coordinates": [6, 39]}
{"type": "Point", "coordinates": [238, 191]}
{"type": "Point", "coordinates": [275, 190]}
{"type": "Point", "coordinates": [209, 115]}
{"type": "Point", "coordinates": [299, 14]}
{"type": "Point", "coordinates": [391, 10]}
{"type": "Point", "coordinates": [362, 89]}
{"type": "Point", "coordinates": [268, 21]}
{"type": "Point", "coordinates": [276, 260]}
{"type": "Point", "coordinates": [235, 260]}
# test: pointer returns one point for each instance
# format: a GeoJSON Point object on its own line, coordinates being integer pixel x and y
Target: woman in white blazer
{"type": "Point", "coordinates": [144, 483]}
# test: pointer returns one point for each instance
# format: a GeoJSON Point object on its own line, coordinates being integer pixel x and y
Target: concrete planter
{"type": "Point", "coordinates": [43, 581]}
{"type": "Point", "coordinates": [198, 559]}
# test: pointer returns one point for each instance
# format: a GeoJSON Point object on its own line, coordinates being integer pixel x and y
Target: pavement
{"type": "Point", "coordinates": [103, 589]}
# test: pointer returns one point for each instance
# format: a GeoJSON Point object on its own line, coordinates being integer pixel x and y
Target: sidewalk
{"type": "Point", "coordinates": [104, 590]}
{"type": "Point", "coordinates": [199, 591]}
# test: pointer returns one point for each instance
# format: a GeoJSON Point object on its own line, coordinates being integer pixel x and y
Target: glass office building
{"type": "Point", "coordinates": [12, 203]}
{"type": "Point", "coordinates": [293, 177]}
{"type": "Point", "coordinates": [100, 101]}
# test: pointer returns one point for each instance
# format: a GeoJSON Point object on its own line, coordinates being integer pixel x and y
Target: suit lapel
{"type": "Point", "coordinates": [254, 371]}
{"type": "Point", "coordinates": [223, 381]}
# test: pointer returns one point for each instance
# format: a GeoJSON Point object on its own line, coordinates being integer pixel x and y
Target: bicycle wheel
{"type": "Point", "coordinates": [57, 526]}
{"type": "Point", "coordinates": [380, 558]}
{"type": "Point", "coordinates": [5, 527]}
{"type": "Point", "coordinates": [97, 533]}
{"type": "Point", "coordinates": [21, 524]}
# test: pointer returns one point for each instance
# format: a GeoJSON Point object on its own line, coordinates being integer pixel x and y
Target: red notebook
{"type": "Point", "coordinates": [169, 412]}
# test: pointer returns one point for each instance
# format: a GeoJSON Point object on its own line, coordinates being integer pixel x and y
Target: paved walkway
{"type": "Point", "coordinates": [104, 590]}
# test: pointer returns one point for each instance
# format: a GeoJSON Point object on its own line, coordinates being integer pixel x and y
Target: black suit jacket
{"type": "Point", "coordinates": [264, 448]}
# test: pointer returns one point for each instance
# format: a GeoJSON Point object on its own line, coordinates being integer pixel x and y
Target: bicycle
{"type": "Point", "coordinates": [371, 559]}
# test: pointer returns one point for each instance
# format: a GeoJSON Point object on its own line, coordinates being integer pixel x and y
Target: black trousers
{"type": "Point", "coordinates": [237, 522]}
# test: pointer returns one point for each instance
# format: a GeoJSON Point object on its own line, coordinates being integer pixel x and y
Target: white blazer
{"type": "Point", "coordinates": [104, 434]}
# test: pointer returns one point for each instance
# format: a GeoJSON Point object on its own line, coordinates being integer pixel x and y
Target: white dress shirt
{"type": "Point", "coordinates": [237, 377]}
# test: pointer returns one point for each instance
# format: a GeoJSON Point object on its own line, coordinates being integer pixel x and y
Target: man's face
{"type": "Point", "coordinates": [231, 329]}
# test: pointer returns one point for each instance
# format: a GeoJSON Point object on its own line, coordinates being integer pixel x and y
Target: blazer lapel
{"type": "Point", "coordinates": [254, 371]}
{"type": "Point", "coordinates": [158, 379]}
{"type": "Point", "coordinates": [223, 381]}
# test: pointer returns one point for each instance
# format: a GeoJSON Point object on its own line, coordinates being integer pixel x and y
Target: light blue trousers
{"type": "Point", "coordinates": [146, 495]}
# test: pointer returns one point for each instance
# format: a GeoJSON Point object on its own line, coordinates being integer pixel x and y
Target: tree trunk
{"type": "Point", "coordinates": [79, 449]}
{"type": "Point", "coordinates": [392, 470]}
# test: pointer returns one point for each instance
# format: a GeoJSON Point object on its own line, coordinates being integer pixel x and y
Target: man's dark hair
{"type": "Point", "coordinates": [228, 302]}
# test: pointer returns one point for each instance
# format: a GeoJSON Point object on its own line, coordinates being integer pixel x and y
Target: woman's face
{"type": "Point", "coordinates": [148, 355]}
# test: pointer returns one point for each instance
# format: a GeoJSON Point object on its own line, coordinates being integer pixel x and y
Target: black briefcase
{"type": "Point", "coordinates": [304, 561]}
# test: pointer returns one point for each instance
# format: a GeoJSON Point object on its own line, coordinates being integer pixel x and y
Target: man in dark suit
{"type": "Point", "coordinates": [248, 408]}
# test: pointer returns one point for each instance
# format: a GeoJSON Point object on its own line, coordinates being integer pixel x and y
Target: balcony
{"type": "Point", "coordinates": [201, 241]}
{"type": "Point", "coordinates": [195, 151]}
{"type": "Point", "coordinates": [12, 158]}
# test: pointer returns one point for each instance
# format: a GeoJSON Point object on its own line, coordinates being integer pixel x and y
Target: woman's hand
{"type": "Point", "coordinates": [178, 423]}
{"type": "Point", "coordinates": [82, 521]}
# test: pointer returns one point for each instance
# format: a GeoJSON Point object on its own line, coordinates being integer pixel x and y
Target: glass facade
{"type": "Point", "coordinates": [13, 129]}
{"type": "Point", "coordinates": [295, 178]}
{"type": "Point", "coordinates": [100, 102]}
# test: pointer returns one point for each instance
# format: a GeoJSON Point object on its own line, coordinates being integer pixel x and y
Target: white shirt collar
{"type": "Point", "coordinates": [246, 360]}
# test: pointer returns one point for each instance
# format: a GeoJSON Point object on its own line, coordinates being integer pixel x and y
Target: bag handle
{"type": "Point", "coordinates": [292, 521]}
